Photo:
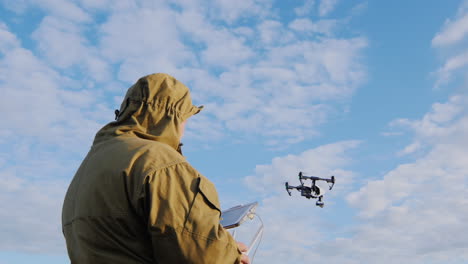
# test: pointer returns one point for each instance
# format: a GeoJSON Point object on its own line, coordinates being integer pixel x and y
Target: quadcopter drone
{"type": "Point", "coordinates": [313, 191]}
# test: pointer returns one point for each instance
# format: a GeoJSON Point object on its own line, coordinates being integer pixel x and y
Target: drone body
{"type": "Point", "coordinates": [313, 191]}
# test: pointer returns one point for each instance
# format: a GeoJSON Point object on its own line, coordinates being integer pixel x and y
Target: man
{"type": "Point", "coordinates": [135, 198]}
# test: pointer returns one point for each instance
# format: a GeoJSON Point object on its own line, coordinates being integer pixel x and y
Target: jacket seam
{"type": "Point", "coordinates": [158, 105]}
{"type": "Point", "coordinates": [186, 232]}
{"type": "Point", "coordinates": [158, 168]}
{"type": "Point", "coordinates": [123, 214]}
{"type": "Point", "coordinates": [165, 166]}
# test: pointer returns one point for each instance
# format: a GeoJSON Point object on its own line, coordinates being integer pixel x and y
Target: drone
{"type": "Point", "coordinates": [313, 191]}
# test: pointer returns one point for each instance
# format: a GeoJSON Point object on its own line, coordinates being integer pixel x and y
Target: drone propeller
{"type": "Point", "coordinates": [287, 188]}
{"type": "Point", "coordinates": [300, 177]}
{"type": "Point", "coordinates": [332, 182]}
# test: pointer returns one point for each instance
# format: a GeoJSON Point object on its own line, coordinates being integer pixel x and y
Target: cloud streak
{"type": "Point", "coordinates": [453, 31]}
{"type": "Point", "coordinates": [452, 40]}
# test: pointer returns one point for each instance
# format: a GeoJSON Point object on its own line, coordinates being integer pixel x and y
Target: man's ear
{"type": "Point", "coordinates": [182, 128]}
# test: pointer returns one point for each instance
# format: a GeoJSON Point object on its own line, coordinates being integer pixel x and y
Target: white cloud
{"type": "Point", "coordinates": [47, 126]}
{"type": "Point", "coordinates": [143, 41]}
{"type": "Point", "coordinates": [327, 6]}
{"type": "Point", "coordinates": [231, 11]}
{"type": "Point", "coordinates": [418, 210]}
{"type": "Point", "coordinates": [304, 25]}
{"type": "Point", "coordinates": [406, 235]}
{"type": "Point", "coordinates": [272, 82]}
{"type": "Point", "coordinates": [201, 128]}
{"type": "Point", "coordinates": [359, 9]}
{"type": "Point", "coordinates": [64, 9]}
{"type": "Point", "coordinates": [452, 41]}
{"type": "Point", "coordinates": [46, 130]}
{"type": "Point", "coordinates": [31, 206]}
{"type": "Point", "coordinates": [306, 8]}
{"type": "Point", "coordinates": [411, 148]}
{"type": "Point", "coordinates": [391, 134]}
{"type": "Point", "coordinates": [34, 102]}
{"type": "Point", "coordinates": [95, 4]}
{"type": "Point", "coordinates": [453, 32]}
{"type": "Point", "coordinates": [267, 75]}
{"type": "Point", "coordinates": [64, 45]}
{"type": "Point", "coordinates": [423, 204]}
{"type": "Point", "coordinates": [7, 39]}
{"type": "Point", "coordinates": [33, 183]}
{"type": "Point", "coordinates": [453, 64]}
{"type": "Point", "coordinates": [272, 32]}
{"type": "Point", "coordinates": [59, 8]}
{"type": "Point", "coordinates": [60, 41]}
{"type": "Point", "coordinates": [216, 55]}
{"type": "Point", "coordinates": [438, 125]}
{"type": "Point", "coordinates": [285, 94]}
{"type": "Point", "coordinates": [44, 105]}
{"type": "Point", "coordinates": [17, 6]}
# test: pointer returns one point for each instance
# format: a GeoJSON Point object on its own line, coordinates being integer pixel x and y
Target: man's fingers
{"type": "Point", "coordinates": [242, 247]}
{"type": "Point", "coordinates": [245, 259]}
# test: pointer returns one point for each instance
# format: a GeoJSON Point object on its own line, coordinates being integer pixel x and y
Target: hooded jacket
{"type": "Point", "coordinates": [135, 199]}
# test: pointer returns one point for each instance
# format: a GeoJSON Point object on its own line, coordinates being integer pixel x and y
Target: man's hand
{"type": "Point", "coordinates": [243, 248]}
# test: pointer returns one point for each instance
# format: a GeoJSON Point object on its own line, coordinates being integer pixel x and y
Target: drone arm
{"type": "Point", "coordinates": [314, 178]}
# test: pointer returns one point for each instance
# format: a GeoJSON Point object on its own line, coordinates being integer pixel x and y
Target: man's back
{"type": "Point", "coordinates": [102, 215]}
{"type": "Point", "coordinates": [135, 199]}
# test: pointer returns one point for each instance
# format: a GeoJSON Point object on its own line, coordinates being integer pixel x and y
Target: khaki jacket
{"type": "Point", "coordinates": [135, 199]}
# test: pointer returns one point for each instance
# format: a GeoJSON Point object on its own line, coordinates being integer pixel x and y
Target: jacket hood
{"type": "Point", "coordinates": [153, 108]}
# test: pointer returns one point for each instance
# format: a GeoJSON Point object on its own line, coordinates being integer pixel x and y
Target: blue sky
{"type": "Point", "coordinates": [374, 93]}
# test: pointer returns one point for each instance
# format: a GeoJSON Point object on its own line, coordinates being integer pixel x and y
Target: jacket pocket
{"type": "Point", "coordinates": [207, 189]}
{"type": "Point", "coordinates": [205, 213]}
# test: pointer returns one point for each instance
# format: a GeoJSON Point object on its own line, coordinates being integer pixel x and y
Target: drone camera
{"type": "Point", "coordinates": [316, 189]}
{"type": "Point", "coordinates": [320, 203]}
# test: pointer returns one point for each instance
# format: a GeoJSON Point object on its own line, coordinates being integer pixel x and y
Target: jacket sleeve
{"type": "Point", "coordinates": [183, 214]}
